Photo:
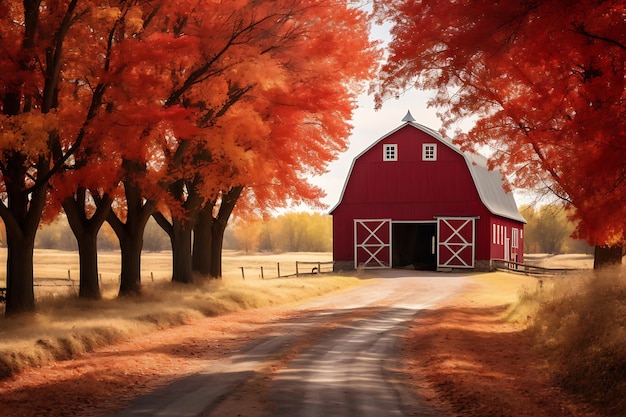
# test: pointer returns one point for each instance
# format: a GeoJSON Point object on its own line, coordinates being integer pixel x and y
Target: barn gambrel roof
{"type": "Point", "coordinates": [489, 183]}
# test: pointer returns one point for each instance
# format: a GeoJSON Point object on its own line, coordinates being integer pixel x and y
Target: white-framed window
{"type": "Point", "coordinates": [390, 152]}
{"type": "Point", "coordinates": [429, 152]}
{"type": "Point", "coordinates": [493, 232]}
{"type": "Point", "coordinates": [521, 233]}
{"type": "Point", "coordinates": [515, 238]}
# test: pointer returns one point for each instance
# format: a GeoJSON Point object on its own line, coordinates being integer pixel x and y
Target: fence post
{"type": "Point", "coordinates": [319, 267]}
{"type": "Point", "coordinates": [242, 274]}
{"type": "Point", "coordinates": [297, 272]}
{"type": "Point", "coordinates": [278, 268]}
{"type": "Point", "coordinates": [262, 277]}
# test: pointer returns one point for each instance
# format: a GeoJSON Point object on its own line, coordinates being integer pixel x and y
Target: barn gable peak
{"type": "Point", "coordinates": [408, 117]}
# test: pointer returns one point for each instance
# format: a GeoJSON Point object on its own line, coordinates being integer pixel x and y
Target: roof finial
{"type": "Point", "coordinates": [408, 117]}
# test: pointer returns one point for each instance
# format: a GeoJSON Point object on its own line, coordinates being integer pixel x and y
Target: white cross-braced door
{"type": "Point", "coordinates": [372, 249]}
{"type": "Point", "coordinates": [455, 242]}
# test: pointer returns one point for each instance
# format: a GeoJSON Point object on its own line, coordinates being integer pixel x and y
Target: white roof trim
{"type": "Point", "coordinates": [488, 182]}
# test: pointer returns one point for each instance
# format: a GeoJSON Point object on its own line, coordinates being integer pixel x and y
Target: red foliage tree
{"type": "Point", "coordinates": [545, 80]}
{"type": "Point", "coordinates": [293, 69]}
{"type": "Point", "coordinates": [34, 39]}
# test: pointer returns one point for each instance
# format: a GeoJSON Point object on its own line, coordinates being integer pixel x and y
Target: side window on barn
{"type": "Point", "coordinates": [515, 238]}
{"type": "Point", "coordinates": [390, 152]}
{"type": "Point", "coordinates": [429, 152]}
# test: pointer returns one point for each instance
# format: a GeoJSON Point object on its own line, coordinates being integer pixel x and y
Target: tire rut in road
{"type": "Point", "coordinates": [352, 370]}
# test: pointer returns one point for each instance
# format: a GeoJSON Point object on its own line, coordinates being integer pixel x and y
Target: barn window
{"type": "Point", "coordinates": [390, 152]}
{"type": "Point", "coordinates": [429, 152]}
{"type": "Point", "coordinates": [494, 234]}
{"type": "Point", "coordinates": [515, 238]}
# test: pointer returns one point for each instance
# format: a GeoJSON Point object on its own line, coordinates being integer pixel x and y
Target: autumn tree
{"type": "Point", "coordinates": [293, 72]}
{"type": "Point", "coordinates": [239, 55]}
{"type": "Point", "coordinates": [547, 228]}
{"type": "Point", "coordinates": [90, 174]}
{"type": "Point", "coordinates": [245, 234]}
{"type": "Point", "coordinates": [34, 39]}
{"type": "Point", "coordinates": [119, 89]}
{"type": "Point", "coordinates": [545, 83]}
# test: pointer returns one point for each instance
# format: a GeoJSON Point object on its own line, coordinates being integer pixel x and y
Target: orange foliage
{"type": "Point", "coordinates": [545, 81]}
{"type": "Point", "coordinates": [264, 89]}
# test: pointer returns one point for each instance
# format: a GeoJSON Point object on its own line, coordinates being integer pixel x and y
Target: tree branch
{"type": "Point", "coordinates": [580, 28]}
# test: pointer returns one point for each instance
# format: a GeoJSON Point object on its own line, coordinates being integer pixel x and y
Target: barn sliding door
{"type": "Point", "coordinates": [372, 238]}
{"type": "Point", "coordinates": [455, 242]}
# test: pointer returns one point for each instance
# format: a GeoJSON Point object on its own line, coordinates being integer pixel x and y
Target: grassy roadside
{"type": "Point", "coordinates": [64, 327]}
{"type": "Point", "coordinates": [578, 323]}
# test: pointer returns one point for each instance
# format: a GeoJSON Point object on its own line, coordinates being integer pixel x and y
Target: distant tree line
{"type": "Point", "coordinates": [290, 232]}
{"type": "Point", "coordinates": [549, 231]}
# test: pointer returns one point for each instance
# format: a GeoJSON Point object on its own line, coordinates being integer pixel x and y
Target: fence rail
{"type": "Point", "coordinates": [528, 269]}
{"type": "Point", "coordinates": [302, 268]}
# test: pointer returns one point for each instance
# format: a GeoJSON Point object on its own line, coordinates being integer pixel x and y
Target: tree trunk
{"type": "Point", "coordinates": [180, 229]}
{"type": "Point", "coordinates": [88, 260]}
{"type": "Point", "coordinates": [217, 240]}
{"type": "Point", "coordinates": [201, 256]}
{"type": "Point", "coordinates": [605, 256]}
{"type": "Point", "coordinates": [20, 282]}
{"type": "Point", "coordinates": [130, 276]}
{"type": "Point", "coordinates": [130, 233]}
{"type": "Point", "coordinates": [86, 232]}
{"type": "Point", "coordinates": [21, 216]}
{"type": "Point", "coordinates": [209, 233]}
{"type": "Point", "coordinates": [181, 252]}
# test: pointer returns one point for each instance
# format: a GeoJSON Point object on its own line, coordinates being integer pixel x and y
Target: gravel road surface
{"type": "Point", "coordinates": [339, 358]}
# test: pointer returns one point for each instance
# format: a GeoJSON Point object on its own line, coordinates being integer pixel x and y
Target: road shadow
{"type": "Point", "coordinates": [482, 365]}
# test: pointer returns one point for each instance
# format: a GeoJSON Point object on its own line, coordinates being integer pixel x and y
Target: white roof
{"type": "Point", "coordinates": [489, 183]}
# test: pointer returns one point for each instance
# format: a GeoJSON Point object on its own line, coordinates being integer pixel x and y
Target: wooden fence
{"type": "Point", "coordinates": [302, 268]}
{"type": "Point", "coordinates": [510, 266]}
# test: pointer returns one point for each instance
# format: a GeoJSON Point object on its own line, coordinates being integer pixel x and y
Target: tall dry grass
{"type": "Point", "coordinates": [579, 323]}
{"type": "Point", "coordinates": [65, 326]}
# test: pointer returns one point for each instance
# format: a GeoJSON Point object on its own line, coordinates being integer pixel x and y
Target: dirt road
{"type": "Point", "coordinates": [338, 357]}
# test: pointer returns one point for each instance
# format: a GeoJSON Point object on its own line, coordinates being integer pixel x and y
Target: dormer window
{"type": "Point", "coordinates": [390, 152]}
{"type": "Point", "coordinates": [429, 152]}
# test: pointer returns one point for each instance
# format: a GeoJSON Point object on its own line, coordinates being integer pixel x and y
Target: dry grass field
{"type": "Point", "coordinates": [56, 271]}
{"type": "Point", "coordinates": [65, 326]}
{"type": "Point", "coordinates": [573, 260]}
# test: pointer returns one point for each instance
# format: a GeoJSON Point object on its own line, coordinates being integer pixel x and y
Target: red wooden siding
{"type": "Point", "coordinates": [502, 229]}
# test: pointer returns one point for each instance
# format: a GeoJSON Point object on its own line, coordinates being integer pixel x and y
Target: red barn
{"type": "Point", "coordinates": [413, 199]}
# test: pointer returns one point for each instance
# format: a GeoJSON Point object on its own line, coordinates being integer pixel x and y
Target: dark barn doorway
{"type": "Point", "coordinates": [414, 246]}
